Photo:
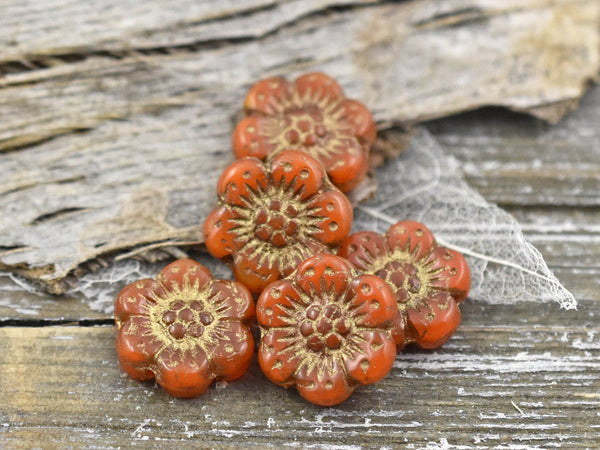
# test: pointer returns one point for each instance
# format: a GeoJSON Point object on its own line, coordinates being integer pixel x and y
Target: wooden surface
{"type": "Point", "coordinates": [520, 376]}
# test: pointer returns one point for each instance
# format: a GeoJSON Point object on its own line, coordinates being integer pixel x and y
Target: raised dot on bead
{"type": "Point", "coordinates": [292, 136]}
{"type": "Point", "coordinates": [177, 305]}
{"type": "Point", "coordinates": [205, 318]}
{"type": "Point", "coordinates": [186, 315]}
{"type": "Point", "coordinates": [195, 330]}
{"type": "Point", "coordinates": [315, 343]}
{"type": "Point", "coordinates": [169, 317]}
{"type": "Point", "coordinates": [304, 125]}
{"type": "Point", "coordinates": [313, 312]}
{"type": "Point", "coordinates": [324, 326]}
{"type": "Point", "coordinates": [341, 327]}
{"type": "Point", "coordinates": [306, 328]}
{"type": "Point", "coordinates": [291, 211]}
{"type": "Point", "coordinates": [177, 330]}
{"type": "Point", "coordinates": [332, 311]}
{"type": "Point", "coordinates": [333, 342]}
{"type": "Point", "coordinates": [309, 140]}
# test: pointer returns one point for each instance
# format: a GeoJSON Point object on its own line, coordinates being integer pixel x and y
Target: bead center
{"type": "Point", "coordinates": [183, 319]}
{"type": "Point", "coordinates": [408, 281]}
{"type": "Point", "coordinates": [276, 223]}
{"type": "Point", "coordinates": [324, 327]}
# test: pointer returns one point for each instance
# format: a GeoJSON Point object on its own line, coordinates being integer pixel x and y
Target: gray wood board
{"type": "Point", "coordinates": [114, 136]}
{"type": "Point", "coordinates": [510, 377]}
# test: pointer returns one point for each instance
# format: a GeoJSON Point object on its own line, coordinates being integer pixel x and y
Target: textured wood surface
{"type": "Point", "coordinates": [508, 378]}
{"type": "Point", "coordinates": [114, 130]}
{"type": "Point", "coordinates": [522, 376]}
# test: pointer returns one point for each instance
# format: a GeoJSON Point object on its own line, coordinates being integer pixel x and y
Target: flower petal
{"type": "Point", "coordinates": [347, 166]}
{"type": "Point", "coordinates": [219, 232]}
{"type": "Point", "coordinates": [136, 299]}
{"type": "Point", "coordinates": [411, 237]}
{"type": "Point", "coordinates": [254, 269]}
{"type": "Point", "coordinates": [453, 274]}
{"type": "Point", "coordinates": [336, 213]}
{"type": "Point", "coordinates": [430, 327]}
{"type": "Point", "coordinates": [277, 304]}
{"type": "Point", "coordinates": [232, 299]}
{"type": "Point", "coordinates": [183, 373]}
{"type": "Point", "coordinates": [268, 96]}
{"type": "Point", "coordinates": [317, 86]}
{"type": "Point", "coordinates": [323, 275]}
{"type": "Point", "coordinates": [298, 172]}
{"type": "Point", "coordinates": [231, 357]}
{"type": "Point", "coordinates": [184, 273]}
{"type": "Point", "coordinates": [277, 356]}
{"type": "Point", "coordinates": [360, 119]}
{"type": "Point", "coordinates": [249, 138]}
{"type": "Point", "coordinates": [240, 179]}
{"type": "Point", "coordinates": [373, 358]}
{"type": "Point", "coordinates": [372, 302]}
{"type": "Point", "coordinates": [324, 383]}
{"type": "Point", "coordinates": [363, 249]}
{"type": "Point", "coordinates": [136, 347]}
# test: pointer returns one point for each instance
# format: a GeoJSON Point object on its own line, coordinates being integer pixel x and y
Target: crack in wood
{"type": "Point", "coordinates": [61, 213]}
{"type": "Point", "coordinates": [38, 323]}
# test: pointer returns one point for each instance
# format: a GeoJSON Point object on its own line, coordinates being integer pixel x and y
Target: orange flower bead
{"type": "Point", "coordinates": [326, 329]}
{"type": "Point", "coordinates": [272, 216]}
{"type": "Point", "coordinates": [429, 281]}
{"type": "Point", "coordinates": [309, 114]}
{"type": "Point", "coordinates": [185, 329]}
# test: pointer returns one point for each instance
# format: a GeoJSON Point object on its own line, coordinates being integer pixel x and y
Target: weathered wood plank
{"type": "Point", "coordinates": [38, 33]}
{"type": "Point", "coordinates": [521, 161]}
{"type": "Point", "coordinates": [508, 378]}
{"type": "Point", "coordinates": [112, 129]}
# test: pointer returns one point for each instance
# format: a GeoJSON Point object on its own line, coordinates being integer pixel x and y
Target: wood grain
{"type": "Point", "coordinates": [498, 382]}
{"type": "Point", "coordinates": [114, 135]}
